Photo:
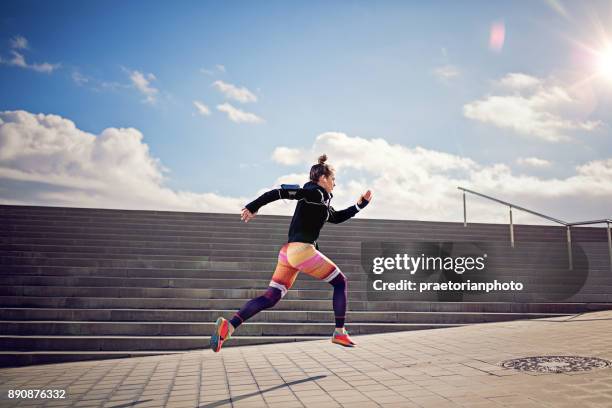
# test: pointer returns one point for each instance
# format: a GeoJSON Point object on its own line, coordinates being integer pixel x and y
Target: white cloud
{"type": "Point", "coordinates": [19, 43]}
{"type": "Point", "coordinates": [539, 109]}
{"type": "Point", "coordinates": [49, 161]}
{"type": "Point", "coordinates": [239, 116]}
{"type": "Point", "coordinates": [96, 84]}
{"type": "Point", "coordinates": [533, 162]}
{"type": "Point", "coordinates": [143, 84]}
{"type": "Point", "coordinates": [79, 78]}
{"type": "Point", "coordinates": [287, 155]}
{"type": "Point", "coordinates": [231, 91]}
{"type": "Point", "coordinates": [19, 60]}
{"type": "Point", "coordinates": [55, 163]}
{"type": "Point", "coordinates": [202, 108]}
{"type": "Point", "coordinates": [519, 81]}
{"type": "Point", "coordinates": [446, 72]}
{"type": "Point", "coordinates": [419, 183]}
{"type": "Point", "coordinates": [218, 68]}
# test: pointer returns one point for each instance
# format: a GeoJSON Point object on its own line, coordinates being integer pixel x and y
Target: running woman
{"type": "Point", "coordinates": [301, 252]}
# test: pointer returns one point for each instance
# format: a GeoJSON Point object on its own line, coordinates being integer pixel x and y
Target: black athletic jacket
{"type": "Point", "coordinates": [311, 212]}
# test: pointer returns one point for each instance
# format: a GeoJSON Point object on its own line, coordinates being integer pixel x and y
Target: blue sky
{"type": "Point", "coordinates": [414, 74]}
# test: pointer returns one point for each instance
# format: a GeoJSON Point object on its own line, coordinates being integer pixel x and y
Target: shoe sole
{"type": "Point", "coordinates": [343, 344]}
{"type": "Point", "coordinates": [215, 340]}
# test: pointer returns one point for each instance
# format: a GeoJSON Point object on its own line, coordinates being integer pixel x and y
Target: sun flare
{"type": "Point", "coordinates": [604, 63]}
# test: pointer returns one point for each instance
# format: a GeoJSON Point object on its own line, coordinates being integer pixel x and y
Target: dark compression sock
{"type": "Point", "coordinates": [256, 305]}
{"type": "Point", "coordinates": [340, 284]}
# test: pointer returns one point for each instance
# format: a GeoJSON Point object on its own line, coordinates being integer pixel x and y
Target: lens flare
{"type": "Point", "coordinates": [497, 36]}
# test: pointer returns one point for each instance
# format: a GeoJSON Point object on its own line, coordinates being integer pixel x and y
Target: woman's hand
{"type": "Point", "coordinates": [367, 196]}
{"type": "Point", "coordinates": [247, 215]}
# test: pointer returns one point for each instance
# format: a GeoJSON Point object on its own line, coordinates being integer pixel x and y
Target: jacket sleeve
{"type": "Point", "coordinates": [284, 193]}
{"type": "Point", "coordinates": [336, 217]}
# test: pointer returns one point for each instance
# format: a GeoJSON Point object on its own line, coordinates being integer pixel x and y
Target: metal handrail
{"type": "Point", "coordinates": [568, 225]}
{"type": "Point", "coordinates": [606, 221]}
{"type": "Point", "coordinates": [512, 206]}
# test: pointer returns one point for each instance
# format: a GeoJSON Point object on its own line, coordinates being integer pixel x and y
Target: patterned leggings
{"type": "Point", "coordinates": [293, 258]}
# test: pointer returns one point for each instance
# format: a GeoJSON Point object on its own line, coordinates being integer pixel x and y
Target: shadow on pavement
{"type": "Point", "coordinates": [276, 387]}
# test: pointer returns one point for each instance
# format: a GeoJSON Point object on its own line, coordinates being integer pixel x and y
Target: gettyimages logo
{"type": "Point", "coordinates": [413, 264]}
{"type": "Point", "coordinates": [459, 271]}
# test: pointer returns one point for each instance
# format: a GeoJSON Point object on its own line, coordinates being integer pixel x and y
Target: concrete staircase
{"type": "Point", "coordinates": [83, 284]}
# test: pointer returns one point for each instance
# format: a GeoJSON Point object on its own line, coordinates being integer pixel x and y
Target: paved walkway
{"type": "Point", "coordinates": [457, 367]}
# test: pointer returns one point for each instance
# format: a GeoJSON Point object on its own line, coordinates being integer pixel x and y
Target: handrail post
{"type": "Point", "coordinates": [609, 244]}
{"type": "Point", "coordinates": [569, 249]}
{"type": "Point", "coordinates": [465, 212]}
{"type": "Point", "coordinates": [511, 229]}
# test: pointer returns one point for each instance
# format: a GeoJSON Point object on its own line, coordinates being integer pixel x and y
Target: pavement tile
{"type": "Point", "coordinates": [458, 367]}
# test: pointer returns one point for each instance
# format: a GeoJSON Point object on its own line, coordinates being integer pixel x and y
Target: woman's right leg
{"type": "Point", "coordinates": [270, 297]}
{"type": "Point", "coordinates": [282, 280]}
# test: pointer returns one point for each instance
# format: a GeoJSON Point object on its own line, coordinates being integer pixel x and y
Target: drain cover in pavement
{"type": "Point", "coordinates": [556, 364]}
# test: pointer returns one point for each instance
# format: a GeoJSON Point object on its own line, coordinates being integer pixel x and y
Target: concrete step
{"type": "Point", "coordinates": [133, 343]}
{"type": "Point", "coordinates": [211, 242]}
{"type": "Point", "coordinates": [60, 271]}
{"type": "Point", "coordinates": [336, 244]}
{"type": "Point", "coordinates": [25, 358]}
{"type": "Point", "coordinates": [327, 240]}
{"type": "Point", "coordinates": [303, 282]}
{"type": "Point", "coordinates": [503, 252]}
{"type": "Point", "coordinates": [528, 274]}
{"type": "Point", "coordinates": [336, 250]}
{"type": "Point", "coordinates": [263, 251]}
{"type": "Point", "coordinates": [203, 219]}
{"type": "Point", "coordinates": [237, 250]}
{"type": "Point", "coordinates": [267, 263]}
{"type": "Point", "coordinates": [286, 316]}
{"type": "Point", "coordinates": [232, 221]}
{"type": "Point", "coordinates": [323, 293]}
{"type": "Point", "coordinates": [600, 275]}
{"type": "Point", "coordinates": [300, 305]}
{"type": "Point", "coordinates": [364, 226]}
{"type": "Point", "coordinates": [328, 237]}
{"type": "Point", "coordinates": [126, 216]}
{"type": "Point", "coordinates": [229, 220]}
{"type": "Point", "coordinates": [87, 328]}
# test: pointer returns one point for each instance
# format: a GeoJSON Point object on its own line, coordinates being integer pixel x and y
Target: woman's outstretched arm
{"type": "Point", "coordinates": [336, 217]}
{"type": "Point", "coordinates": [250, 210]}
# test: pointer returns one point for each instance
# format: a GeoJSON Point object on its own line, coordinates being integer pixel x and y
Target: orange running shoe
{"type": "Point", "coordinates": [343, 339]}
{"type": "Point", "coordinates": [220, 334]}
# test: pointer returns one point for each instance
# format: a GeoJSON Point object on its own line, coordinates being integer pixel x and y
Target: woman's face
{"type": "Point", "coordinates": [328, 182]}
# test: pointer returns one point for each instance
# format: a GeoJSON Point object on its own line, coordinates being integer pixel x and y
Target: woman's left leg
{"type": "Point", "coordinates": [308, 259]}
{"type": "Point", "coordinates": [340, 284]}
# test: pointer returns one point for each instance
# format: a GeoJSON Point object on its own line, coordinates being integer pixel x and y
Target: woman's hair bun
{"type": "Point", "coordinates": [320, 169]}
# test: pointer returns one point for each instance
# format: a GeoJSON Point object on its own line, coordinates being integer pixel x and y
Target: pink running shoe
{"type": "Point", "coordinates": [220, 334]}
{"type": "Point", "coordinates": [342, 339]}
